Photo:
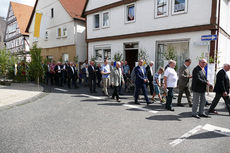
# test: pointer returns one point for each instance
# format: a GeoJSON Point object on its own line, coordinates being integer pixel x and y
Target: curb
{"type": "Point", "coordinates": [26, 101]}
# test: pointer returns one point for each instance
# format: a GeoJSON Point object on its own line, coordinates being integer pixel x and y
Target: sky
{"type": "Point", "coordinates": [4, 5]}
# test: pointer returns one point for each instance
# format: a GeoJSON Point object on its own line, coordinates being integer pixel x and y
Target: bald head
{"type": "Point", "coordinates": [226, 67]}
{"type": "Point", "coordinates": [202, 62]}
{"type": "Point", "coordinates": [141, 62]}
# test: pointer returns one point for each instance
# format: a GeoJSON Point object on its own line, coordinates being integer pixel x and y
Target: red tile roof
{"type": "Point", "coordinates": [75, 8]}
{"type": "Point", "coordinates": [22, 13]}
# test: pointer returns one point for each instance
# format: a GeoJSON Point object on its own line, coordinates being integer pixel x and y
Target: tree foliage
{"type": "Point", "coordinates": [7, 61]}
{"type": "Point", "coordinates": [35, 66]}
{"type": "Point", "coordinates": [118, 56]}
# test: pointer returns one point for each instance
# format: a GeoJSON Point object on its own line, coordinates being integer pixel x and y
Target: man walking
{"type": "Point", "coordinates": [105, 71]}
{"type": "Point", "coordinates": [184, 76]}
{"type": "Point", "coordinates": [170, 82]}
{"type": "Point", "coordinates": [71, 75]}
{"type": "Point", "coordinates": [140, 82]}
{"type": "Point", "coordinates": [199, 84]}
{"type": "Point", "coordinates": [150, 75]}
{"type": "Point", "coordinates": [92, 77]}
{"type": "Point", "coordinates": [222, 89]}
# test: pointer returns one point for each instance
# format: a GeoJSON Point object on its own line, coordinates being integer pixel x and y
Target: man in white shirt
{"type": "Point", "coordinates": [105, 71]}
{"type": "Point", "coordinates": [170, 82]}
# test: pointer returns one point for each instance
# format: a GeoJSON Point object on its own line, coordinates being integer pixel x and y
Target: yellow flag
{"type": "Point", "coordinates": [38, 18]}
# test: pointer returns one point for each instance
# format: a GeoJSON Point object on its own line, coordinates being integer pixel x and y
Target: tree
{"type": "Point", "coordinates": [170, 54]}
{"type": "Point", "coordinates": [117, 56]}
{"type": "Point", "coordinates": [7, 60]}
{"type": "Point", "coordinates": [35, 66]}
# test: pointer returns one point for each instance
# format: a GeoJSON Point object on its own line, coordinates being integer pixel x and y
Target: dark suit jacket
{"type": "Point", "coordinates": [70, 72]}
{"type": "Point", "coordinates": [184, 77]}
{"type": "Point", "coordinates": [148, 72]}
{"type": "Point", "coordinates": [92, 73]}
{"type": "Point", "coordinates": [56, 69]}
{"type": "Point", "coordinates": [222, 82]}
{"type": "Point", "coordinates": [199, 80]}
{"type": "Point", "coordinates": [140, 76]}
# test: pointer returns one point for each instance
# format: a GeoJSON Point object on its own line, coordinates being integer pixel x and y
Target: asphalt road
{"type": "Point", "coordinates": [73, 121]}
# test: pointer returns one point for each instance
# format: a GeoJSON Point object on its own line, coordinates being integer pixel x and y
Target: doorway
{"type": "Point", "coordinates": [131, 54]}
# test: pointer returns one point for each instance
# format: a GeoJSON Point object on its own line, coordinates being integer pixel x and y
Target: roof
{"type": "Point", "coordinates": [75, 8]}
{"type": "Point", "coordinates": [22, 13]}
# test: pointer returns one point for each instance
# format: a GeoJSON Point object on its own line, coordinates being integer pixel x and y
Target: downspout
{"type": "Point", "coordinates": [217, 40]}
{"type": "Point", "coordinates": [86, 36]}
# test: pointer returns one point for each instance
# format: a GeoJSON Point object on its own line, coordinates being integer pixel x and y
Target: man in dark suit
{"type": "Point", "coordinates": [199, 85]}
{"type": "Point", "coordinates": [184, 76]}
{"type": "Point", "coordinates": [140, 82]}
{"type": "Point", "coordinates": [58, 72]}
{"type": "Point", "coordinates": [92, 77]}
{"type": "Point", "coordinates": [150, 74]}
{"type": "Point", "coordinates": [221, 89]}
{"type": "Point", "coordinates": [71, 75]}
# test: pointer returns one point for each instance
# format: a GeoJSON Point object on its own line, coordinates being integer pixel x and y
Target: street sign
{"type": "Point", "coordinates": [208, 37]}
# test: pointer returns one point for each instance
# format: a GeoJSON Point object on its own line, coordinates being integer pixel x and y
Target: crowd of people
{"type": "Point", "coordinates": [121, 78]}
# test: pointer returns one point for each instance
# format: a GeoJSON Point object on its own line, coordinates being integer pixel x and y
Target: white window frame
{"type": "Point", "coordinates": [181, 12]}
{"type": "Point", "coordinates": [126, 13]}
{"type": "Point", "coordinates": [103, 52]}
{"type": "Point", "coordinates": [57, 33]}
{"type": "Point", "coordinates": [156, 9]}
{"type": "Point", "coordinates": [102, 18]}
{"type": "Point", "coordinates": [66, 32]}
{"type": "Point", "coordinates": [99, 22]}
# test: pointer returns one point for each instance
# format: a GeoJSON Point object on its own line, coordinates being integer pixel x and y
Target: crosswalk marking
{"type": "Point", "coordinates": [186, 135]}
{"type": "Point", "coordinates": [216, 129]}
{"type": "Point", "coordinates": [94, 97]}
{"type": "Point", "coordinates": [63, 90]}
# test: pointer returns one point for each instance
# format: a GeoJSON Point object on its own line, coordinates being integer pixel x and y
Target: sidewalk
{"type": "Point", "coordinates": [19, 93]}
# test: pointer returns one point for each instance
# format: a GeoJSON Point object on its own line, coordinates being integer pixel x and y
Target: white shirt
{"type": "Point", "coordinates": [151, 70]}
{"type": "Point", "coordinates": [142, 69]}
{"type": "Point", "coordinates": [172, 78]}
{"type": "Point", "coordinates": [72, 69]}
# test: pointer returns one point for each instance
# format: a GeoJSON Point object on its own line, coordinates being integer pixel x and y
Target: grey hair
{"type": "Point", "coordinates": [119, 63]}
{"type": "Point", "coordinates": [203, 59]}
{"type": "Point", "coordinates": [151, 62]}
{"type": "Point", "coordinates": [226, 64]}
{"type": "Point", "coordinates": [172, 61]}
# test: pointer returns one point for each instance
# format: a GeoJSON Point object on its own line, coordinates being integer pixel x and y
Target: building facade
{"type": "Point", "coordinates": [16, 39]}
{"type": "Point", "coordinates": [62, 35]}
{"type": "Point", "coordinates": [2, 31]}
{"type": "Point", "coordinates": [156, 27]}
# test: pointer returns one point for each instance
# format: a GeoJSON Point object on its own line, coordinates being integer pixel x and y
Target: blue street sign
{"type": "Point", "coordinates": [208, 37]}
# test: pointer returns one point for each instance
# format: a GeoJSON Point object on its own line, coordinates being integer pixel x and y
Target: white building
{"type": "Point", "coordinates": [129, 26]}
{"type": "Point", "coordinates": [16, 39]}
{"type": "Point", "coordinates": [62, 34]}
{"type": "Point", "coordinates": [2, 31]}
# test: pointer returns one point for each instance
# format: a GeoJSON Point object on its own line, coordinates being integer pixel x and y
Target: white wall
{"type": "Point", "coordinates": [149, 43]}
{"type": "Point", "coordinates": [61, 19]}
{"type": "Point", "coordinates": [199, 13]}
{"type": "Point", "coordinates": [225, 15]}
{"type": "Point", "coordinates": [80, 40]}
{"type": "Point", "coordinates": [223, 50]}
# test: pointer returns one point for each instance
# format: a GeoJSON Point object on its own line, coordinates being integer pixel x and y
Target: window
{"type": "Point", "coordinates": [130, 13]}
{"type": "Point", "coordinates": [179, 6]}
{"type": "Point", "coordinates": [64, 32]}
{"type": "Point", "coordinates": [52, 13]}
{"type": "Point", "coordinates": [46, 35]}
{"type": "Point", "coordinates": [96, 21]}
{"type": "Point", "coordinates": [59, 33]}
{"type": "Point", "coordinates": [105, 19]}
{"type": "Point", "coordinates": [65, 57]}
{"type": "Point", "coordinates": [161, 8]}
{"type": "Point", "coordinates": [103, 53]}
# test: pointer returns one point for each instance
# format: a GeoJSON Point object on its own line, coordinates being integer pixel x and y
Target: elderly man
{"type": "Point", "coordinates": [170, 82]}
{"type": "Point", "coordinates": [150, 75]}
{"type": "Point", "coordinates": [116, 80]}
{"type": "Point", "coordinates": [140, 82]}
{"type": "Point", "coordinates": [199, 84]}
{"type": "Point", "coordinates": [221, 88]}
{"type": "Point", "coordinates": [105, 71]}
{"type": "Point", "coordinates": [184, 76]}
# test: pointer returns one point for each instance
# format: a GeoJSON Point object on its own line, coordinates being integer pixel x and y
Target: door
{"type": "Point", "coordinates": [131, 57]}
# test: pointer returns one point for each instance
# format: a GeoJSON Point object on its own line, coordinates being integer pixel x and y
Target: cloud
{"type": "Point", "coordinates": [5, 5]}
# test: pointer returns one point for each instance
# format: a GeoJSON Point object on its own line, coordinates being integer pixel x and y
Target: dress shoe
{"type": "Point", "coordinates": [171, 109]}
{"type": "Point", "coordinates": [196, 116]}
{"type": "Point", "coordinates": [190, 105]}
{"type": "Point", "coordinates": [118, 100]}
{"type": "Point", "coordinates": [137, 103]}
{"type": "Point", "coordinates": [180, 105]}
{"type": "Point", "coordinates": [148, 103]}
{"type": "Point", "coordinates": [203, 115]}
{"type": "Point", "coordinates": [213, 111]}
{"type": "Point", "coordinates": [207, 103]}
